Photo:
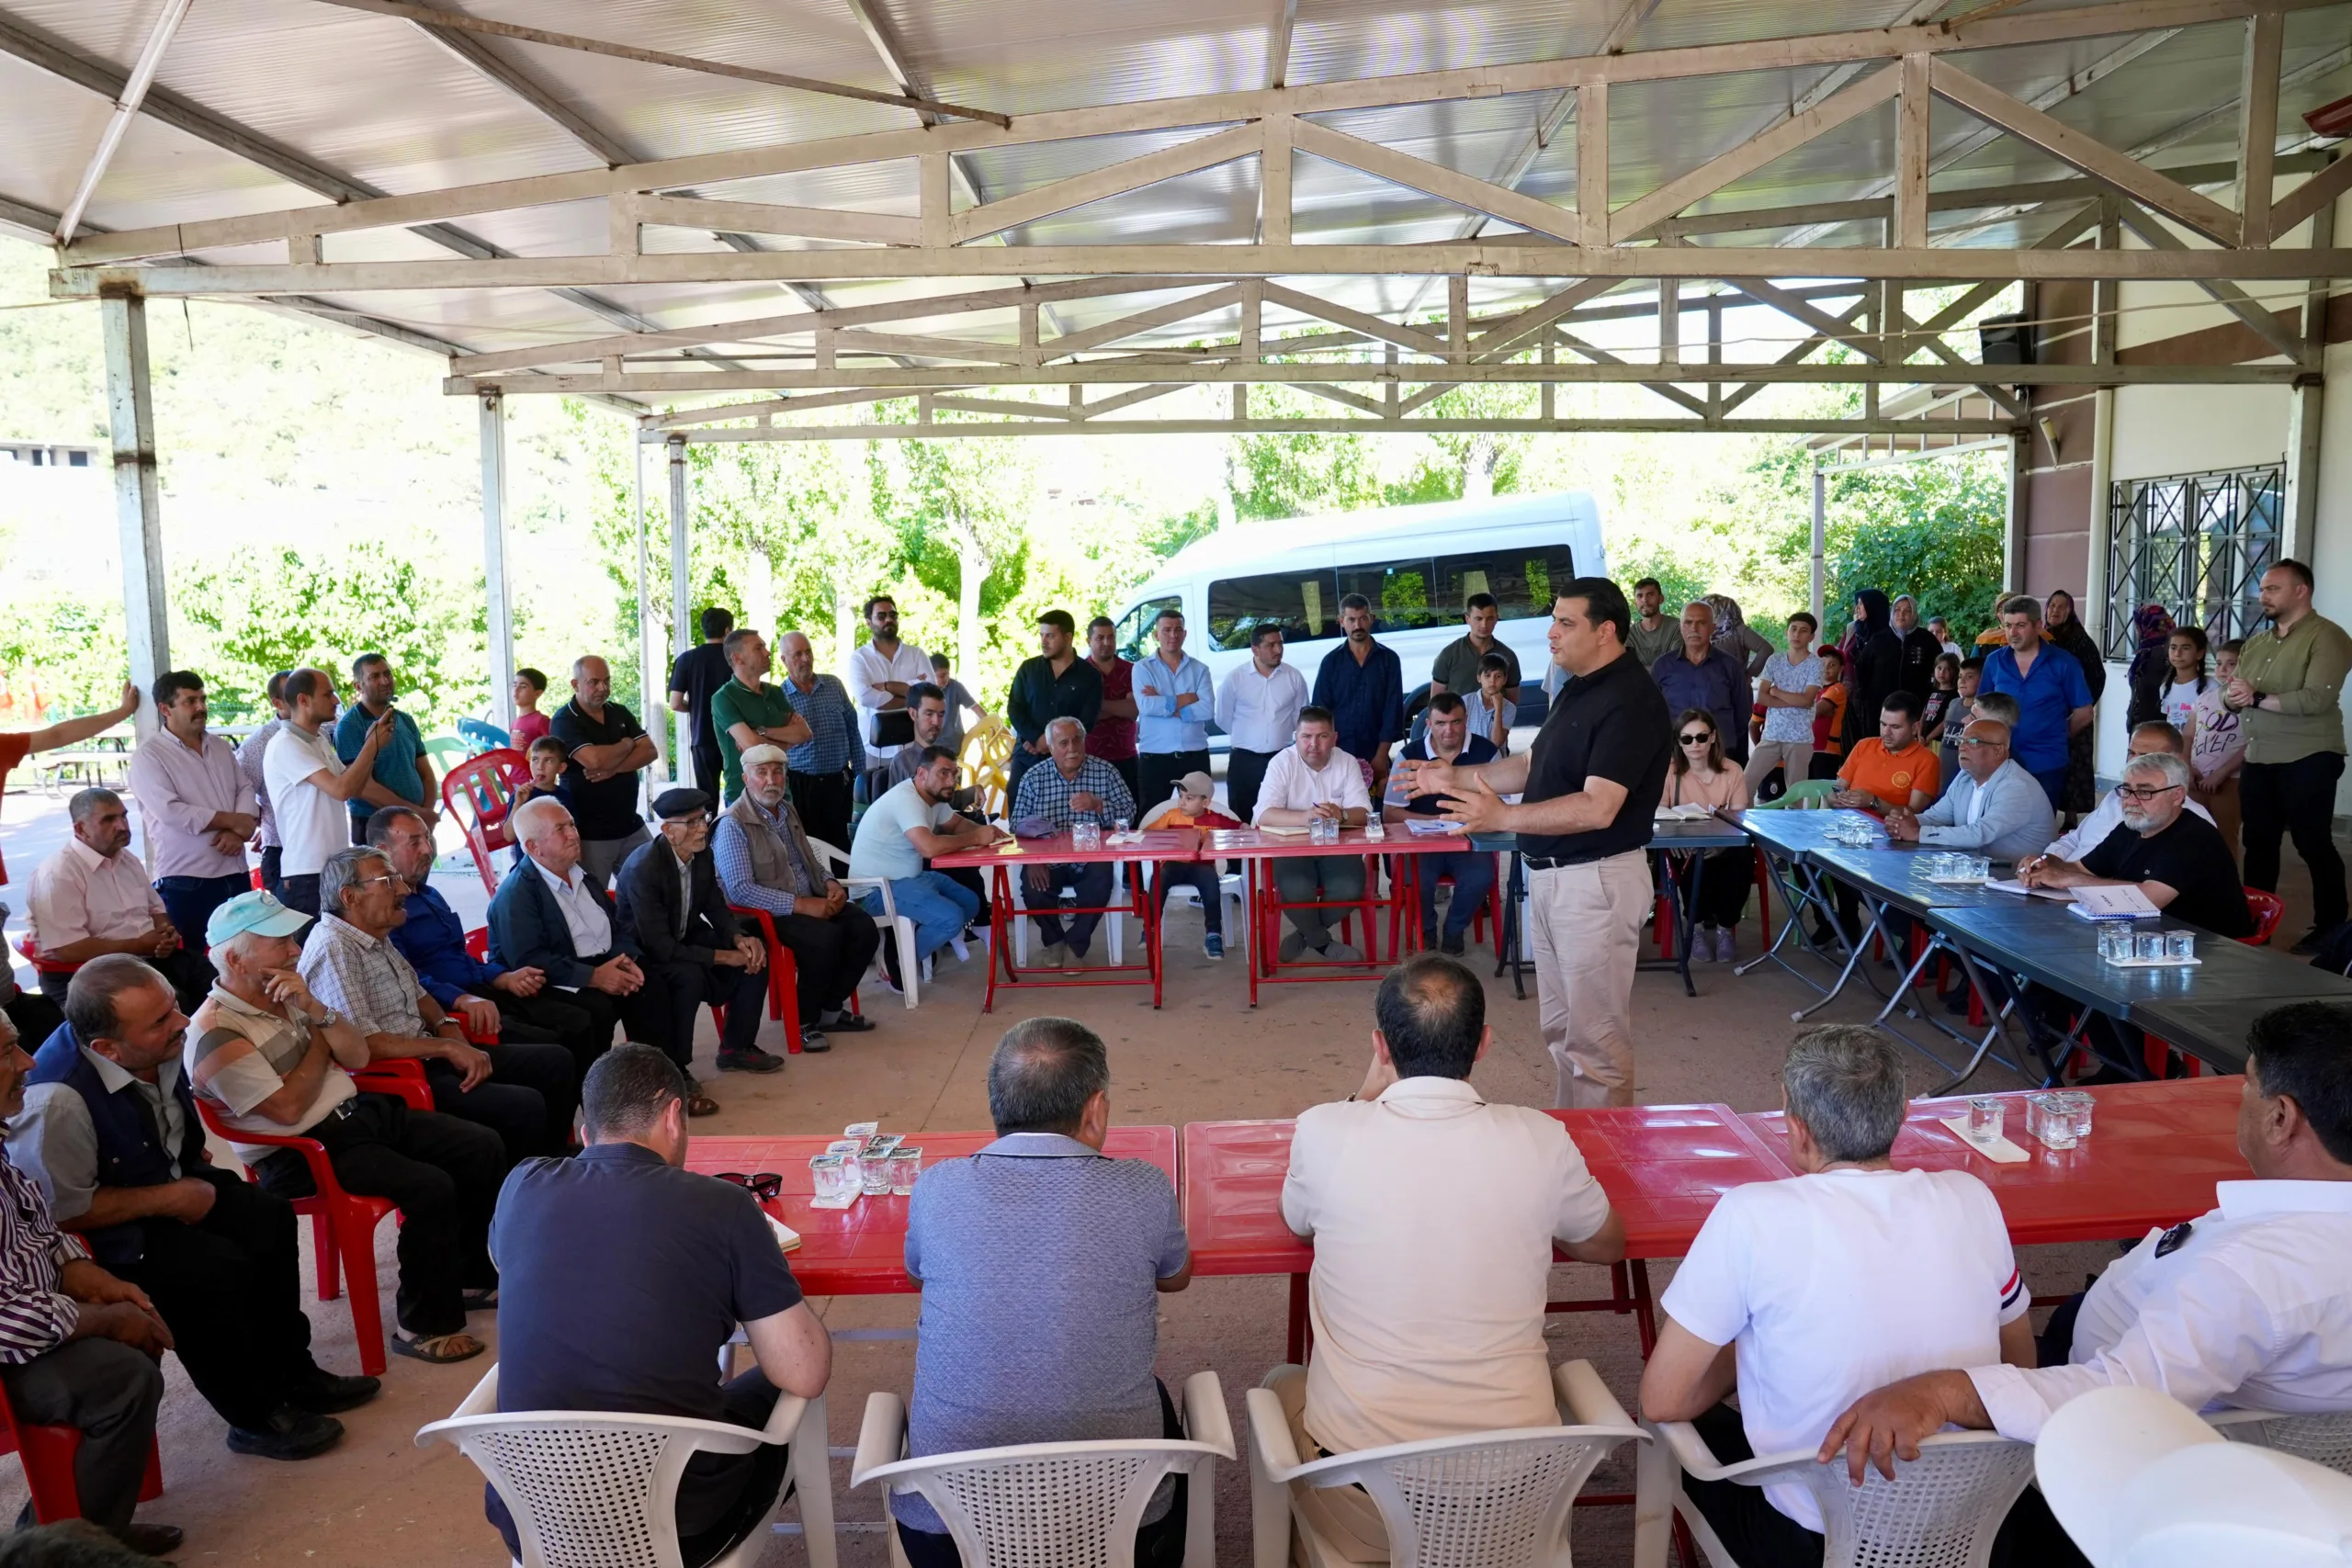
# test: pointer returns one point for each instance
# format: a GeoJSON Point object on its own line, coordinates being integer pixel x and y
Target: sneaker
{"type": "Point", "coordinates": [813, 1041]}
{"type": "Point", "coordinates": [1452, 943]}
{"type": "Point", "coordinates": [1727, 946]}
{"type": "Point", "coordinates": [1213, 945]}
{"type": "Point", "coordinates": [2310, 944]}
{"type": "Point", "coordinates": [960, 947]}
{"type": "Point", "coordinates": [288, 1434]}
{"type": "Point", "coordinates": [1052, 955]}
{"type": "Point", "coordinates": [843, 1021]}
{"type": "Point", "coordinates": [1702, 944]}
{"type": "Point", "coordinates": [1074, 956]}
{"type": "Point", "coordinates": [1341, 953]}
{"type": "Point", "coordinates": [324, 1394]}
{"type": "Point", "coordinates": [752, 1059]}
{"type": "Point", "coordinates": [1428, 936]}
{"type": "Point", "coordinates": [1293, 945]}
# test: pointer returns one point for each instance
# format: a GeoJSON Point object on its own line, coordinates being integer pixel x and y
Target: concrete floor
{"type": "Point", "coordinates": [1205, 1055]}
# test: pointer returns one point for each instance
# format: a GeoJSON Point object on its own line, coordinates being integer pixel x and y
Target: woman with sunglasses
{"type": "Point", "coordinates": [1700, 776]}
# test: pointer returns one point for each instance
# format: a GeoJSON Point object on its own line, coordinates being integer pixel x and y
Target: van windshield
{"type": "Point", "coordinates": [1409, 594]}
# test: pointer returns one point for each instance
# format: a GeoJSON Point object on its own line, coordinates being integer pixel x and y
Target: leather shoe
{"type": "Point", "coordinates": [751, 1060]}
{"type": "Point", "coordinates": [152, 1541]}
{"type": "Point", "coordinates": [289, 1434]}
{"type": "Point", "coordinates": [324, 1394]}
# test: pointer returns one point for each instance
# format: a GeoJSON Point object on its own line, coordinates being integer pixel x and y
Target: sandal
{"type": "Point", "coordinates": [701, 1104]}
{"type": "Point", "coordinates": [440, 1349]}
{"type": "Point", "coordinates": [479, 1300]}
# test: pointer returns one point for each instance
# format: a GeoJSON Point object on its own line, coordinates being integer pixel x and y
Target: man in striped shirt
{"type": "Point", "coordinates": [78, 1348]}
{"type": "Point", "coordinates": [824, 768]}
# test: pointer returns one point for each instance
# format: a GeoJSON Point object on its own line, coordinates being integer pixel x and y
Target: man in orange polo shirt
{"type": "Point", "coordinates": [1898, 769]}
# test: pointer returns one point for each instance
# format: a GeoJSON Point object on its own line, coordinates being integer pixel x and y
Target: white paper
{"type": "Point", "coordinates": [2119, 901]}
{"type": "Point", "coordinates": [2058, 895]}
{"type": "Point", "coordinates": [1690, 811]}
{"type": "Point", "coordinates": [2000, 1151]}
{"type": "Point", "coordinates": [786, 1238]}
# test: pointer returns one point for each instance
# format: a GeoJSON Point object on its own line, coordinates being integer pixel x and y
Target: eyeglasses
{"type": "Point", "coordinates": [766, 1184]}
{"type": "Point", "coordinates": [1964, 740]}
{"type": "Point", "coordinates": [393, 878]}
{"type": "Point", "coordinates": [1696, 738]}
{"type": "Point", "coordinates": [2145, 792]}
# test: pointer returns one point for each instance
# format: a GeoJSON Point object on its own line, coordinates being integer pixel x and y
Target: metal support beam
{"type": "Point", "coordinates": [138, 494]}
{"type": "Point", "coordinates": [493, 556]}
{"type": "Point", "coordinates": [2305, 408]}
{"type": "Point", "coordinates": [1820, 542]}
{"type": "Point", "coordinates": [652, 667]}
{"type": "Point", "coordinates": [682, 587]}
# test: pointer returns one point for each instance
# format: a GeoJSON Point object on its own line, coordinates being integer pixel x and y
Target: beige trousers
{"type": "Point", "coordinates": [1586, 921]}
{"type": "Point", "coordinates": [1793, 758]}
{"type": "Point", "coordinates": [1344, 1516]}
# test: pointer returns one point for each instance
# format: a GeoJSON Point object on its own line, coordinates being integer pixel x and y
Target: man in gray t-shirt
{"type": "Point", "coordinates": [1040, 1260]}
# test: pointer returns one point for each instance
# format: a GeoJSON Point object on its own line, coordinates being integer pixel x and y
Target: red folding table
{"type": "Point", "coordinates": [1258, 851]}
{"type": "Point", "coordinates": [861, 1250]}
{"type": "Point", "coordinates": [1154, 844]}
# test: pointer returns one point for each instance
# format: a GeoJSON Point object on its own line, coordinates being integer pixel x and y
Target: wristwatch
{"type": "Point", "coordinates": [326, 1020]}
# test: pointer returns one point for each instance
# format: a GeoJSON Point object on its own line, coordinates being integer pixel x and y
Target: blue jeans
{"type": "Point", "coordinates": [1091, 882]}
{"type": "Point", "coordinates": [938, 905]}
{"type": "Point", "coordinates": [190, 900]}
{"type": "Point", "coordinates": [1201, 880]}
{"type": "Point", "coordinates": [1474, 878]}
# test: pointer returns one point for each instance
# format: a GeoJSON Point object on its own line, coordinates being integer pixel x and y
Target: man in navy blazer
{"type": "Point", "coordinates": [549, 915]}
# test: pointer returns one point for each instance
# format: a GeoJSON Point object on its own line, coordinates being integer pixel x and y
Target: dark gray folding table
{"type": "Point", "coordinates": [1791, 841]}
{"type": "Point", "coordinates": [2212, 1028]}
{"type": "Point", "coordinates": [1691, 838]}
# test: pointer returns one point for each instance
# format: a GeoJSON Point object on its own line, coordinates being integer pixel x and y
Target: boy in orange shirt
{"type": "Point", "coordinates": [1895, 769]}
{"type": "Point", "coordinates": [1193, 807]}
{"type": "Point", "coordinates": [1829, 716]}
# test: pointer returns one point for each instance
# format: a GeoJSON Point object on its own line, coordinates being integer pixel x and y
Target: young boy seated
{"type": "Point", "coordinates": [1490, 713]}
{"type": "Point", "coordinates": [1194, 806]}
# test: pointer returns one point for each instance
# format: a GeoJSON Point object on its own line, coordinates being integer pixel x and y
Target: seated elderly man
{"type": "Point", "coordinates": [698, 1257]}
{"type": "Point", "coordinates": [78, 1348]}
{"type": "Point", "coordinates": [1315, 779]}
{"type": "Point", "coordinates": [1447, 740]}
{"type": "Point", "coordinates": [516, 1007]}
{"type": "Point", "coordinates": [110, 1131]}
{"type": "Point", "coordinates": [765, 862]}
{"type": "Point", "coordinates": [696, 951]}
{"type": "Point", "coordinates": [2146, 739]}
{"type": "Point", "coordinates": [1048, 798]}
{"type": "Point", "coordinates": [549, 915]}
{"type": "Point", "coordinates": [998, 1362]}
{"type": "Point", "coordinates": [1454, 1343]}
{"type": "Point", "coordinates": [1808, 1292]}
{"type": "Point", "coordinates": [1994, 807]}
{"type": "Point", "coordinates": [909, 823]}
{"type": "Point", "coordinates": [2248, 1307]}
{"type": "Point", "coordinates": [2174, 856]}
{"type": "Point", "coordinates": [523, 1093]}
{"type": "Point", "coordinates": [91, 899]}
{"type": "Point", "coordinates": [271, 1058]}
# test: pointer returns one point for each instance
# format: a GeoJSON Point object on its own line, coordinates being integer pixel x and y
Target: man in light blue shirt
{"type": "Point", "coordinates": [1996, 809]}
{"type": "Point", "coordinates": [912, 821]}
{"type": "Point", "coordinates": [1174, 699]}
{"type": "Point", "coordinates": [1040, 1261]}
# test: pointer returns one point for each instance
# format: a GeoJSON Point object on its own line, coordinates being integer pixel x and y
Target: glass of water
{"type": "Point", "coordinates": [906, 1164]}
{"type": "Point", "coordinates": [2114, 941]}
{"type": "Point", "coordinates": [2180, 944]}
{"type": "Point", "coordinates": [1980, 869]}
{"type": "Point", "coordinates": [1986, 1114]}
{"type": "Point", "coordinates": [2148, 944]}
{"type": "Point", "coordinates": [1086, 834]}
{"type": "Point", "coordinates": [2056, 1130]}
{"type": "Point", "coordinates": [2078, 1110]}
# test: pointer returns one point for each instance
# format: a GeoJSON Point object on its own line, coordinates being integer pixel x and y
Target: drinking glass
{"type": "Point", "coordinates": [2114, 941]}
{"type": "Point", "coordinates": [1085, 835]}
{"type": "Point", "coordinates": [833, 1186]}
{"type": "Point", "coordinates": [1374, 830]}
{"type": "Point", "coordinates": [2148, 944]}
{"type": "Point", "coordinates": [1986, 1114]}
{"type": "Point", "coordinates": [906, 1164]}
{"type": "Point", "coordinates": [1940, 865]}
{"type": "Point", "coordinates": [2057, 1119]}
{"type": "Point", "coordinates": [2180, 944]}
{"type": "Point", "coordinates": [1980, 869]}
{"type": "Point", "coordinates": [2078, 1110]}
{"type": "Point", "coordinates": [1119, 825]}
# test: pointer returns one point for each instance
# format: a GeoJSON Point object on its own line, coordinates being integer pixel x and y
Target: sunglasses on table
{"type": "Point", "coordinates": [765, 1184]}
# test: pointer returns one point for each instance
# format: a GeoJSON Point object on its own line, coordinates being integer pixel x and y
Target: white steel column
{"type": "Point", "coordinates": [2304, 407]}
{"type": "Point", "coordinates": [493, 555]}
{"type": "Point", "coordinates": [138, 494]}
{"type": "Point", "coordinates": [1820, 541]}
{"type": "Point", "coordinates": [681, 588]}
{"type": "Point", "coordinates": [652, 690]}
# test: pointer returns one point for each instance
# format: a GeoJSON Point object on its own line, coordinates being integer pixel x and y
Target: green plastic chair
{"type": "Point", "coordinates": [1798, 793]}
{"type": "Point", "coordinates": [447, 751]}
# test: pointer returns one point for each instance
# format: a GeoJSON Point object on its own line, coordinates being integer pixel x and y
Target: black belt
{"type": "Point", "coordinates": [1561, 863]}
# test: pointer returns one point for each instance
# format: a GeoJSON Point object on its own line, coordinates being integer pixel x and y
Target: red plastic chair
{"type": "Point", "coordinates": [42, 965]}
{"type": "Point", "coordinates": [342, 1225]}
{"type": "Point", "coordinates": [2268, 908]}
{"type": "Point", "coordinates": [784, 977]}
{"type": "Point", "coordinates": [48, 1453]}
{"type": "Point", "coordinates": [478, 796]}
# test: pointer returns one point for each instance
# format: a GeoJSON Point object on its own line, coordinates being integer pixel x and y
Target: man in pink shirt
{"type": "Point", "coordinates": [91, 899]}
{"type": "Point", "coordinates": [196, 807]}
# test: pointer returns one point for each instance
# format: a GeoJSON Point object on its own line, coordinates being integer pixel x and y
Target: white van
{"type": "Point", "coordinates": [1417, 564]}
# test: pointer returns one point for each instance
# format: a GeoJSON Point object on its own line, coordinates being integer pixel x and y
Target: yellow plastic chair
{"type": "Point", "coordinates": [986, 761]}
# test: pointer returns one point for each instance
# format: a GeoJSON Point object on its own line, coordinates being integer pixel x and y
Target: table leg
{"type": "Point", "coordinates": [999, 934]}
{"type": "Point", "coordinates": [1295, 1344]}
{"type": "Point", "coordinates": [1256, 914]}
{"type": "Point", "coordinates": [1686, 915]}
{"type": "Point", "coordinates": [1645, 1310]}
{"type": "Point", "coordinates": [1518, 891]}
{"type": "Point", "coordinates": [1147, 917]}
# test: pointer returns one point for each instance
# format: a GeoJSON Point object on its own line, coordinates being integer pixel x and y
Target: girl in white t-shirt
{"type": "Point", "coordinates": [2185, 654]}
{"type": "Point", "coordinates": [2217, 748]}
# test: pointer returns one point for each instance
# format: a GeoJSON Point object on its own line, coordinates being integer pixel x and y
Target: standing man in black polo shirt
{"type": "Point", "coordinates": [1058, 683]}
{"type": "Point", "coordinates": [1591, 781]}
{"type": "Point", "coordinates": [623, 1275]}
{"type": "Point", "coordinates": [699, 672]}
{"type": "Point", "coordinates": [608, 748]}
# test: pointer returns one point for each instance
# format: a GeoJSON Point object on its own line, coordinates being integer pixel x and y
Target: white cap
{"type": "Point", "coordinates": [763, 753]}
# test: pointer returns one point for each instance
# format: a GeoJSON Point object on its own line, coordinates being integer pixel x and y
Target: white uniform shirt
{"type": "Point", "coordinates": [868, 671]}
{"type": "Point", "coordinates": [2251, 1310]}
{"type": "Point", "coordinates": [1291, 785]}
{"type": "Point", "coordinates": [1261, 712]}
{"type": "Point", "coordinates": [1835, 1284]}
{"type": "Point", "coordinates": [311, 824]}
{"type": "Point", "coordinates": [1433, 1215]}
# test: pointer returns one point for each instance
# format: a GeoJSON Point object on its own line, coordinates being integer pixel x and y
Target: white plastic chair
{"type": "Point", "coordinates": [2325, 1439]}
{"type": "Point", "coordinates": [1941, 1510]}
{"type": "Point", "coordinates": [1055, 1505]}
{"type": "Point", "coordinates": [903, 928]}
{"type": "Point", "coordinates": [1112, 922]}
{"type": "Point", "coordinates": [589, 1489]}
{"type": "Point", "coordinates": [1496, 1499]}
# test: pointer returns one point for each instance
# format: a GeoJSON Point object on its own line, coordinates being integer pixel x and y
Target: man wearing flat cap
{"type": "Point", "coordinates": [696, 951]}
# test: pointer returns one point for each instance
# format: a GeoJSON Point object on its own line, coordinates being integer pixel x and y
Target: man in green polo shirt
{"type": "Point", "coordinates": [2289, 687]}
{"type": "Point", "coordinates": [747, 711]}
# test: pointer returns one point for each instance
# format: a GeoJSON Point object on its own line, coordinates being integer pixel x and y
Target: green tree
{"type": "Point", "coordinates": [962, 510]}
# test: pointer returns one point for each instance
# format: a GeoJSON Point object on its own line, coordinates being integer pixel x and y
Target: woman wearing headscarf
{"type": "Point", "coordinates": [1873, 664]}
{"type": "Point", "coordinates": [1737, 638]}
{"type": "Point", "coordinates": [2151, 664]}
{"type": "Point", "coordinates": [2065, 631]}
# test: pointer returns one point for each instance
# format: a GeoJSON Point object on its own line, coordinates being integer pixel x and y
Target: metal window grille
{"type": "Point", "coordinates": [2195, 544]}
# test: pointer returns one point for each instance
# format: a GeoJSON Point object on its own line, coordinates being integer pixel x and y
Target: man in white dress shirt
{"type": "Point", "coordinates": [2147, 739]}
{"type": "Point", "coordinates": [1316, 779]}
{"type": "Point", "coordinates": [1258, 706]}
{"type": "Point", "coordinates": [2247, 1307]}
{"type": "Point", "coordinates": [197, 809]}
{"type": "Point", "coordinates": [1994, 808]}
{"type": "Point", "coordinates": [880, 673]}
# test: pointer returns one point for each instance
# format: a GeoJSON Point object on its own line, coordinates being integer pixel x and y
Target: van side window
{"type": "Point", "coordinates": [1134, 640]}
{"type": "Point", "coordinates": [1521, 579]}
{"type": "Point", "coordinates": [1302, 603]}
{"type": "Point", "coordinates": [1403, 594]}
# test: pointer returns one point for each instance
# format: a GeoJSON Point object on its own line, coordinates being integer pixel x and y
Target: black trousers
{"type": "Point", "coordinates": [710, 768]}
{"type": "Point", "coordinates": [1244, 772]}
{"type": "Point", "coordinates": [682, 988]}
{"type": "Point", "coordinates": [551, 1018]}
{"type": "Point", "coordinates": [300, 893]}
{"type": "Point", "coordinates": [188, 972]}
{"type": "Point", "coordinates": [530, 1099]}
{"type": "Point", "coordinates": [111, 1393]}
{"type": "Point", "coordinates": [831, 956]}
{"type": "Point", "coordinates": [604, 1013]}
{"type": "Point", "coordinates": [823, 802]}
{"type": "Point", "coordinates": [2295, 799]}
{"type": "Point", "coordinates": [190, 900]}
{"type": "Point", "coordinates": [443, 1173]}
{"type": "Point", "coordinates": [1130, 771]}
{"type": "Point", "coordinates": [1159, 772]}
{"type": "Point", "coordinates": [230, 1286]}
{"type": "Point", "coordinates": [37, 1017]}
{"type": "Point", "coordinates": [1159, 1543]}
{"type": "Point", "coordinates": [272, 856]}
